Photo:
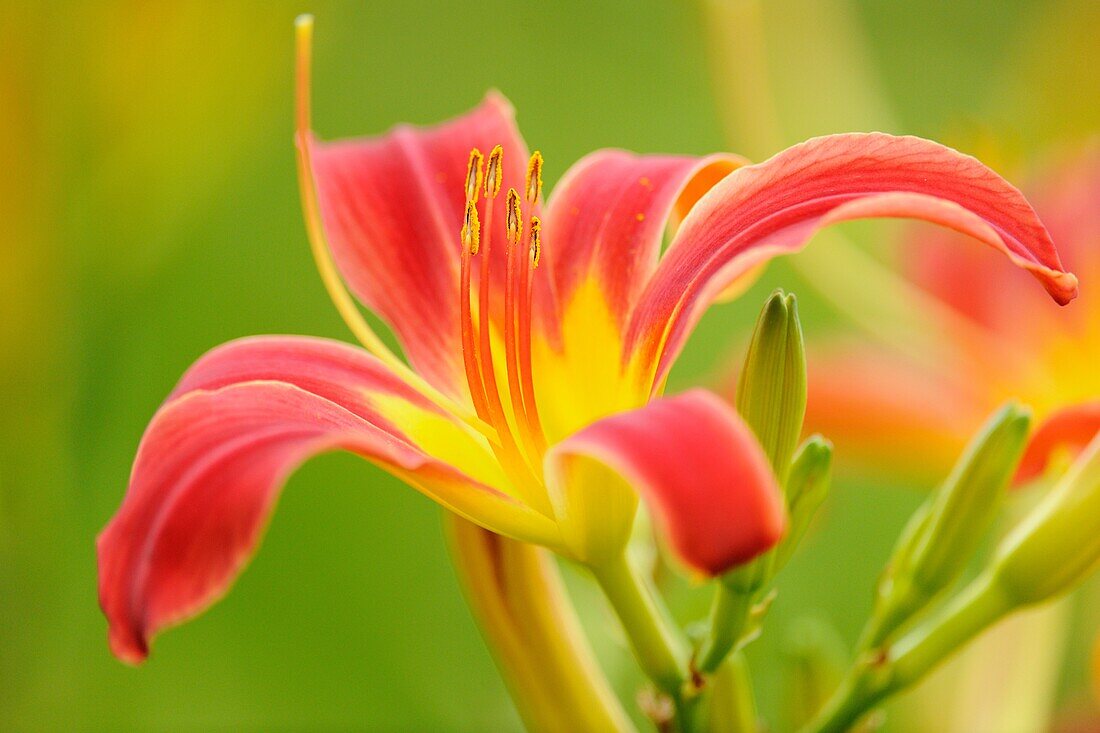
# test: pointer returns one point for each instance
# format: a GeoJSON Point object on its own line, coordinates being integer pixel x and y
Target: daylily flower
{"type": "Point", "coordinates": [992, 340]}
{"type": "Point", "coordinates": [538, 340]}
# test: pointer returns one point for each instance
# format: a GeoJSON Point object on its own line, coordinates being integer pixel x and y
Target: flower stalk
{"type": "Point", "coordinates": [656, 641]}
{"type": "Point", "coordinates": [1050, 552]}
{"type": "Point", "coordinates": [944, 533]}
{"type": "Point", "coordinates": [515, 592]}
{"type": "Point", "coordinates": [771, 397]}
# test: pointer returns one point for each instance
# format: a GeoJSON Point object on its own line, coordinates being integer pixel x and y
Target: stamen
{"type": "Point", "coordinates": [514, 220]}
{"type": "Point", "coordinates": [494, 173]}
{"type": "Point", "coordinates": [527, 382]}
{"type": "Point", "coordinates": [510, 456]}
{"type": "Point", "coordinates": [470, 235]}
{"type": "Point", "coordinates": [471, 229]}
{"type": "Point", "coordinates": [483, 383]}
{"type": "Point", "coordinates": [536, 241]}
{"type": "Point", "coordinates": [473, 176]}
{"type": "Point", "coordinates": [511, 351]}
{"type": "Point", "coordinates": [533, 181]}
{"type": "Point", "coordinates": [488, 373]}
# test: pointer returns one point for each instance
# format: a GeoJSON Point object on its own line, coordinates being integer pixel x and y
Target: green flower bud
{"type": "Point", "coordinates": [944, 533]}
{"type": "Point", "coordinates": [1057, 545]}
{"type": "Point", "coordinates": [771, 393]}
{"type": "Point", "coordinates": [967, 502]}
{"type": "Point", "coordinates": [807, 486]}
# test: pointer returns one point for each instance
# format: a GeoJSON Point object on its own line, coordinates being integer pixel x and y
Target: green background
{"type": "Point", "coordinates": [150, 212]}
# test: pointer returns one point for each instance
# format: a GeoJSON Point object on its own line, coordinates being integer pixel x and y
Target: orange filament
{"type": "Point", "coordinates": [522, 250]}
{"type": "Point", "coordinates": [511, 458]}
{"type": "Point", "coordinates": [488, 373]}
{"type": "Point", "coordinates": [534, 424]}
{"type": "Point", "coordinates": [471, 232]}
{"type": "Point", "coordinates": [482, 383]}
{"type": "Point", "coordinates": [513, 228]}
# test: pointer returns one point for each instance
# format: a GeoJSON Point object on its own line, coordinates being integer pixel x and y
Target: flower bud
{"type": "Point", "coordinates": [967, 502]}
{"type": "Point", "coordinates": [944, 533]}
{"type": "Point", "coordinates": [771, 393]}
{"type": "Point", "coordinates": [807, 485]}
{"type": "Point", "coordinates": [1057, 545]}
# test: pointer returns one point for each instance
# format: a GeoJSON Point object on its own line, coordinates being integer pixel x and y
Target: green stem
{"type": "Point", "coordinates": [879, 675]}
{"type": "Point", "coordinates": [728, 615]}
{"type": "Point", "coordinates": [661, 651]}
{"type": "Point", "coordinates": [889, 616]}
{"type": "Point", "coordinates": [975, 609]}
{"type": "Point", "coordinates": [732, 706]}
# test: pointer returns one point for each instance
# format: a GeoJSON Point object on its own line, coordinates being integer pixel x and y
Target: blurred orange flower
{"type": "Point", "coordinates": [996, 340]}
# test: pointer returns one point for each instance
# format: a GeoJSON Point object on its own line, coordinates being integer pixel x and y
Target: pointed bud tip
{"type": "Point", "coordinates": [817, 448]}
{"type": "Point", "coordinates": [771, 393]}
{"type": "Point", "coordinates": [776, 302]}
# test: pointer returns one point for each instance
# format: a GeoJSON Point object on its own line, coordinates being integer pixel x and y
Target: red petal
{"type": "Point", "coordinates": [773, 208]}
{"type": "Point", "coordinates": [392, 208]}
{"type": "Point", "coordinates": [999, 298]}
{"type": "Point", "coordinates": [211, 463]}
{"type": "Point", "coordinates": [700, 469]}
{"type": "Point", "coordinates": [1071, 428]}
{"type": "Point", "coordinates": [330, 369]}
{"type": "Point", "coordinates": [608, 215]}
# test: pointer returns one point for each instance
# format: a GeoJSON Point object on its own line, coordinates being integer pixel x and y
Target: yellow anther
{"type": "Point", "coordinates": [471, 229]}
{"type": "Point", "coordinates": [533, 182]}
{"type": "Point", "coordinates": [513, 221]}
{"type": "Point", "coordinates": [536, 240]}
{"type": "Point", "coordinates": [494, 172]}
{"type": "Point", "coordinates": [473, 176]}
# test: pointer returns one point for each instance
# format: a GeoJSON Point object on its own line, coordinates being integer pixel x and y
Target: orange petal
{"type": "Point", "coordinates": [1071, 428]}
{"type": "Point", "coordinates": [214, 457]}
{"type": "Point", "coordinates": [392, 208]}
{"type": "Point", "coordinates": [774, 208]}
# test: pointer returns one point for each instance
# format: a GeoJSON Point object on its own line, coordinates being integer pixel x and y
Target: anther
{"type": "Point", "coordinates": [494, 173]}
{"type": "Point", "coordinates": [536, 240]}
{"type": "Point", "coordinates": [471, 229]}
{"type": "Point", "coordinates": [473, 175]}
{"type": "Point", "coordinates": [533, 182]}
{"type": "Point", "coordinates": [514, 218]}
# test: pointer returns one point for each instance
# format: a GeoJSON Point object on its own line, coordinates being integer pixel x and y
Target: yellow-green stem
{"type": "Point", "coordinates": [732, 705]}
{"type": "Point", "coordinates": [881, 674]}
{"type": "Point", "coordinates": [660, 649]}
{"type": "Point", "coordinates": [517, 597]}
{"type": "Point", "coordinates": [729, 613]}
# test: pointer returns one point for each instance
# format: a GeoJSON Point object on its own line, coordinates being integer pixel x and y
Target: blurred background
{"type": "Point", "coordinates": [149, 212]}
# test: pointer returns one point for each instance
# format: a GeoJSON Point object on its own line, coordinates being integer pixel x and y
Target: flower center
{"type": "Point", "coordinates": [521, 441]}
